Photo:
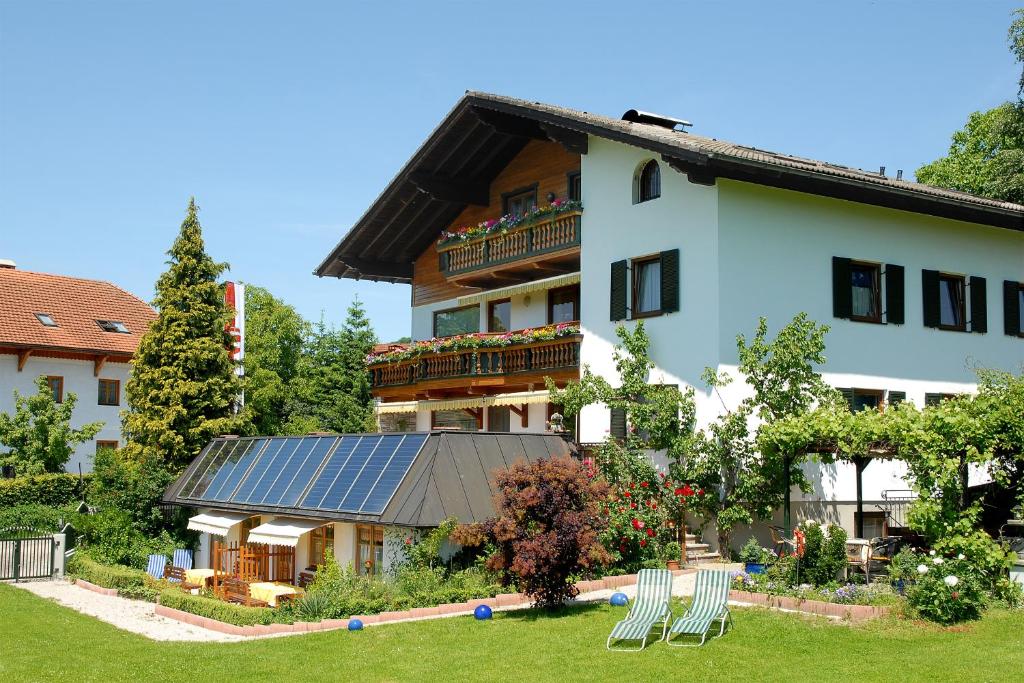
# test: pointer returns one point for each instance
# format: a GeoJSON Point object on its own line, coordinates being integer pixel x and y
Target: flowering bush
{"type": "Point", "coordinates": [947, 590]}
{"type": "Point", "coordinates": [507, 222]}
{"type": "Point", "coordinates": [478, 340]}
{"type": "Point", "coordinates": [848, 593]}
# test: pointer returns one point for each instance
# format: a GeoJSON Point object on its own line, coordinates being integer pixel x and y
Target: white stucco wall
{"type": "Point", "coordinates": [685, 218]}
{"type": "Point", "coordinates": [79, 380]}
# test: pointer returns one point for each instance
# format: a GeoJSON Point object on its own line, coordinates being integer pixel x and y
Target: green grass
{"type": "Point", "coordinates": [42, 641]}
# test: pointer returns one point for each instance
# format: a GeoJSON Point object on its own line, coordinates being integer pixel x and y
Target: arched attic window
{"type": "Point", "coordinates": [647, 182]}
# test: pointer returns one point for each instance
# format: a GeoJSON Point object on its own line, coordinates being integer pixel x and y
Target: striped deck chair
{"type": "Point", "coordinates": [651, 607]}
{"type": "Point", "coordinates": [182, 558]}
{"type": "Point", "coordinates": [156, 565]}
{"type": "Point", "coordinates": [710, 603]}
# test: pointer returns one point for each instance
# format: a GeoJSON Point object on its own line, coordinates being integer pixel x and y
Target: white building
{"type": "Point", "coordinates": [79, 334]}
{"type": "Point", "coordinates": [699, 238]}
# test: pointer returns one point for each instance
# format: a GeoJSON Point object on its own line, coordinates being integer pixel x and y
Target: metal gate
{"type": "Point", "coordinates": [25, 554]}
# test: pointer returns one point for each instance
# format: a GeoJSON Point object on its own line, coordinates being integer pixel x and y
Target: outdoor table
{"type": "Point", "coordinates": [201, 577]}
{"type": "Point", "coordinates": [269, 592]}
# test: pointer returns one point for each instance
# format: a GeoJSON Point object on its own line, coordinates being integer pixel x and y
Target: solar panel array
{"type": "Point", "coordinates": [354, 473]}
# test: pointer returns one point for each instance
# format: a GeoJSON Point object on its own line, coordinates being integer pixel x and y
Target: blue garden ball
{"type": "Point", "coordinates": [355, 625]}
{"type": "Point", "coordinates": [618, 600]}
{"type": "Point", "coordinates": [482, 612]}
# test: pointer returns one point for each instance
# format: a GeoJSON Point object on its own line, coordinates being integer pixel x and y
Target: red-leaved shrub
{"type": "Point", "coordinates": [547, 528]}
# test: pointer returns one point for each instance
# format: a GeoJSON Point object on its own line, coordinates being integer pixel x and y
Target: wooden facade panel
{"type": "Point", "coordinates": [546, 164]}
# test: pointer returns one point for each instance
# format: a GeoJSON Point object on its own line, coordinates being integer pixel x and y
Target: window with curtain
{"type": "Point", "coordinates": [520, 203]}
{"type": "Point", "coordinates": [109, 392]}
{"type": "Point", "coordinates": [454, 419]}
{"type": "Point", "coordinates": [499, 316]}
{"type": "Point", "coordinates": [648, 182]}
{"type": "Point", "coordinates": [646, 286]}
{"type": "Point", "coordinates": [563, 304]}
{"type": "Point", "coordinates": [952, 313]}
{"type": "Point", "coordinates": [499, 419]}
{"type": "Point", "coordinates": [575, 192]}
{"type": "Point", "coordinates": [320, 540]}
{"type": "Point", "coordinates": [56, 385]}
{"type": "Point", "coordinates": [865, 280]}
{"type": "Point", "coordinates": [455, 321]}
{"type": "Point", "coordinates": [369, 549]}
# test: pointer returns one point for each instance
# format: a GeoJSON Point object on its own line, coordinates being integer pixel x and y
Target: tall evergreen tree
{"type": "Point", "coordinates": [332, 390]}
{"type": "Point", "coordinates": [183, 387]}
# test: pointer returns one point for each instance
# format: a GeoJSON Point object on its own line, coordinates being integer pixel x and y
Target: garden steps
{"type": "Point", "coordinates": [698, 552]}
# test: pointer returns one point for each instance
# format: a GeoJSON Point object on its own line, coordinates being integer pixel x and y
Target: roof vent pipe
{"type": "Point", "coordinates": [637, 116]}
{"type": "Point", "coordinates": [8, 264]}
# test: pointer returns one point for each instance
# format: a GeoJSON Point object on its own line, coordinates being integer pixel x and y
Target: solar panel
{"type": "Point", "coordinates": [386, 485]}
{"type": "Point", "coordinates": [306, 470]}
{"type": "Point", "coordinates": [226, 481]}
{"type": "Point", "coordinates": [283, 470]}
{"type": "Point", "coordinates": [202, 464]}
{"type": "Point", "coordinates": [215, 465]}
{"type": "Point", "coordinates": [348, 473]}
{"type": "Point", "coordinates": [248, 488]}
{"type": "Point", "coordinates": [370, 472]}
{"type": "Point", "coordinates": [329, 474]}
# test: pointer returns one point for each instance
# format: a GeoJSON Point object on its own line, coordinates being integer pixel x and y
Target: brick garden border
{"type": "Point", "coordinates": [853, 613]}
{"type": "Point", "coordinates": [501, 601]}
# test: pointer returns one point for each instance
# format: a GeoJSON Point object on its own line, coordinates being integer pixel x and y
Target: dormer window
{"type": "Point", "coordinates": [46, 319]}
{"type": "Point", "coordinates": [647, 182]}
{"type": "Point", "coordinates": [112, 326]}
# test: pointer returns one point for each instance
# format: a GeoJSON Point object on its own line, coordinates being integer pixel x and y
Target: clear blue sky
{"type": "Point", "coordinates": [286, 119]}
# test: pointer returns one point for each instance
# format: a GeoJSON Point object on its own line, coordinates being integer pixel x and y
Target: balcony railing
{"type": "Point", "coordinates": [561, 353]}
{"type": "Point", "coordinates": [557, 233]}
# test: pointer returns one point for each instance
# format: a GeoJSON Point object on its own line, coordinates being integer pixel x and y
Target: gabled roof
{"type": "Point", "coordinates": [483, 132]}
{"type": "Point", "coordinates": [75, 305]}
{"type": "Point", "coordinates": [412, 479]}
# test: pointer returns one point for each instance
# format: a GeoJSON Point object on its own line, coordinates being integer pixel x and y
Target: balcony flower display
{"type": "Point", "coordinates": [476, 340]}
{"type": "Point", "coordinates": [508, 222]}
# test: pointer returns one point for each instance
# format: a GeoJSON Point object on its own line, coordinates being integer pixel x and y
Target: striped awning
{"type": "Point", "coordinates": [216, 523]}
{"type": "Point", "coordinates": [525, 288]}
{"type": "Point", "coordinates": [512, 399]}
{"type": "Point", "coordinates": [283, 531]}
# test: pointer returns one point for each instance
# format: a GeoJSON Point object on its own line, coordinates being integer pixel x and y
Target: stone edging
{"type": "Point", "coordinates": [500, 601]}
{"type": "Point", "coordinates": [854, 613]}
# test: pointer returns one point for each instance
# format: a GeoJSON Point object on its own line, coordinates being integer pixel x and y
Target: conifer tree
{"type": "Point", "coordinates": [183, 386]}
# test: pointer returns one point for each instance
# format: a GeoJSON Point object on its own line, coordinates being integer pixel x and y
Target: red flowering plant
{"type": "Point", "coordinates": [637, 524]}
{"type": "Point", "coordinates": [508, 222]}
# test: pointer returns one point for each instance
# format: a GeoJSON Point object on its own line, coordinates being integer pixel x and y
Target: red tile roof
{"type": "Point", "coordinates": [75, 305]}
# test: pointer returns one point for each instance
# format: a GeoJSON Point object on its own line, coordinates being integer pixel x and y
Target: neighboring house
{"type": "Point", "coordinates": [81, 334]}
{"type": "Point", "coordinates": [697, 237]}
{"type": "Point", "coordinates": [271, 507]}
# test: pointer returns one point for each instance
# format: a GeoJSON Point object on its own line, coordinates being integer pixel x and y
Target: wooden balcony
{"type": "Point", "coordinates": [479, 370]}
{"type": "Point", "coordinates": [524, 253]}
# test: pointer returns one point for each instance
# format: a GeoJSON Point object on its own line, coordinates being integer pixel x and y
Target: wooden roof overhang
{"type": "Point", "coordinates": [483, 132]}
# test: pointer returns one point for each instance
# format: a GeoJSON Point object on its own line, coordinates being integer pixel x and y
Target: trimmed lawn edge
{"type": "Point", "coordinates": [853, 613]}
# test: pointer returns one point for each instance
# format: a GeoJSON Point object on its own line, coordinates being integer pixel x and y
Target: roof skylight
{"type": "Point", "coordinates": [113, 326]}
{"type": "Point", "coordinates": [47, 320]}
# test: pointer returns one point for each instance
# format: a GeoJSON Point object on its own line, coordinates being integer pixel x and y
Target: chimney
{"type": "Point", "coordinates": [6, 263]}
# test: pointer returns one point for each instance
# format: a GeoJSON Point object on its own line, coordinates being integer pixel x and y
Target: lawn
{"type": "Point", "coordinates": [41, 641]}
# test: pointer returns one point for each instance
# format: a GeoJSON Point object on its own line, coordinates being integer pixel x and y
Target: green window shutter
{"type": "Point", "coordinates": [897, 397]}
{"type": "Point", "coordinates": [930, 297]}
{"type": "Point", "coordinates": [618, 293]}
{"type": "Point", "coordinates": [932, 399]}
{"type": "Point", "coordinates": [842, 288]}
{"type": "Point", "coordinates": [670, 281]}
{"type": "Point", "coordinates": [894, 314]}
{"type": "Point", "coordinates": [848, 395]}
{"type": "Point", "coordinates": [979, 305]}
{"type": "Point", "coordinates": [617, 425]}
{"type": "Point", "coordinates": [1011, 307]}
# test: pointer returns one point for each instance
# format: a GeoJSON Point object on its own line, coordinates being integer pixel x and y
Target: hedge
{"type": "Point", "coordinates": [54, 490]}
{"type": "Point", "coordinates": [108, 576]}
{"type": "Point", "coordinates": [239, 615]}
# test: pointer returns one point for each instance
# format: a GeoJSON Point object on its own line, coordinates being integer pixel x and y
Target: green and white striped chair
{"type": "Point", "coordinates": [651, 607]}
{"type": "Point", "coordinates": [710, 603]}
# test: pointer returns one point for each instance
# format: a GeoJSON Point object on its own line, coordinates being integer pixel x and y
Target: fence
{"type": "Point", "coordinates": [27, 553]}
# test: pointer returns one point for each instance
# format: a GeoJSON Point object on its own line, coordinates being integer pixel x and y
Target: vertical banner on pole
{"type": "Point", "coordinates": [234, 298]}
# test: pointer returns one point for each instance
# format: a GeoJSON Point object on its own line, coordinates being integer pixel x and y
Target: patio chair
{"type": "Point", "coordinates": [155, 566]}
{"type": "Point", "coordinates": [182, 558]}
{"type": "Point", "coordinates": [237, 591]}
{"type": "Point", "coordinates": [651, 607]}
{"type": "Point", "coordinates": [710, 603]}
{"type": "Point", "coordinates": [177, 575]}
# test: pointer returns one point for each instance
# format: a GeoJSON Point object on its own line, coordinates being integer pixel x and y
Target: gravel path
{"type": "Point", "coordinates": [136, 616]}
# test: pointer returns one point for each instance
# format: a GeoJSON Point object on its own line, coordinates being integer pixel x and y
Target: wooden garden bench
{"type": "Point", "coordinates": [176, 575]}
{"type": "Point", "coordinates": [237, 591]}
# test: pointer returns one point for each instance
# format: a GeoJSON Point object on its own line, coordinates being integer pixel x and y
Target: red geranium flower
{"type": "Point", "coordinates": [650, 532]}
{"type": "Point", "coordinates": [643, 543]}
{"type": "Point", "coordinates": [687, 491]}
{"type": "Point", "coordinates": [643, 484]}
{"type": "Point", "coordinates": [680, 491]}
{"type": "Point", "coordinates": [627, 494]}
{"type": "Point", "coordinates": [632, 506]}
{"type": "Point", "coordinates": [637, 524]}
{"type": "Point", "coordinates": [700, 493]}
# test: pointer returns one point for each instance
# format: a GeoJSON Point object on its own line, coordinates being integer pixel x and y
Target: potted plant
{"type": "Point", "coordinates": [754, 557]}
{"type": "Point", "coordinates": [672, 552]}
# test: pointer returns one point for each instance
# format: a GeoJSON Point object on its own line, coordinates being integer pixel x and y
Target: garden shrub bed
{"type": "Point", "coordinates": [851, 612]}
{"type": "Point", "coordinates": [54, 490]}
{"type": "Point", "coordinates": [229, 613]}
{"type": "Point", "coordinates": [107, 576]}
